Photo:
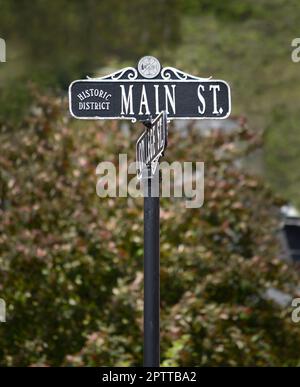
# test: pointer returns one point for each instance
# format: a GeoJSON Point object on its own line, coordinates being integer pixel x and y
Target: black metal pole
{"type": "Point", "coordinates": [151, 276]}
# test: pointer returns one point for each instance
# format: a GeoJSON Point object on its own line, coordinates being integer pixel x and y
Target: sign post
{"type": "Point", "coordinates": [136, 94]}
{"type": "Point", "coordinates": [151, 275]}
{"type": "Point", "coordinates": [149, 148]}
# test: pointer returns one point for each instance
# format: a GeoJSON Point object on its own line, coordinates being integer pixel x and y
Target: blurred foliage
{"type": "Point", "coordinates": [247, 42]}
{"type": "Point", "coordinates": [66, 39]}
{"type": "Point", "coordinates": [72, 263]}
{"type": "Point", "coordinates": [14, 102]}
{"type": "Point", "coordinates": [53, 43]}
{"type": "Point", "coordinates": [282, 145]}
{"type": "Point", "coordinates": [232, 10]}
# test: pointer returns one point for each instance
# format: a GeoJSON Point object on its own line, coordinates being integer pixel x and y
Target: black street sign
{"type": "Point", "coordinates": [136, 93]}
{"type": "Point", "coordinates": [151, 145]}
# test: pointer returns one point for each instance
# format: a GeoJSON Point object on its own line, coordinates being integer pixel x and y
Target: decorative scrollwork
{"type": "Point", "coordinates": [169, 73]}
{"type": "Point", "coordinates": [166, 74]}
{"type": "Point", "coordinates": [125, 73]}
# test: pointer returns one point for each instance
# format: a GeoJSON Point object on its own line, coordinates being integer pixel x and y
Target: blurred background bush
{"type": "Point", "coordinates": [71, 263]}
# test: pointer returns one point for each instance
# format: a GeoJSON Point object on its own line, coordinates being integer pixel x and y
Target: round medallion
{"type": "Point", "coordinates": [149, 67]}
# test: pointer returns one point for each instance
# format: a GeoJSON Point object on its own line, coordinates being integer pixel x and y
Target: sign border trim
{"type": "Point", "coordinates": [133, 119]}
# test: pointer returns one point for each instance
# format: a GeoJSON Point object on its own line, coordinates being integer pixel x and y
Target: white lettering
{"type": "Point", "coordinates": [126, 101]}
{"type": "Point", "coordinates": [215, 88]}
{"type": "Point", "coordinates": [144, 102]}
{"type": "Point", "coordinates": [170, 98]}
{"type": "Point", "coordinates": [157, 111]}
{"type": "Point", "coordinates": [201, 99]}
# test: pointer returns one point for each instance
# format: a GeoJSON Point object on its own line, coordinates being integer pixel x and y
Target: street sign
{"type": "Point", "coordinates": [136, 93]}
{"type": "Point", "coordinates": [151, 145]}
